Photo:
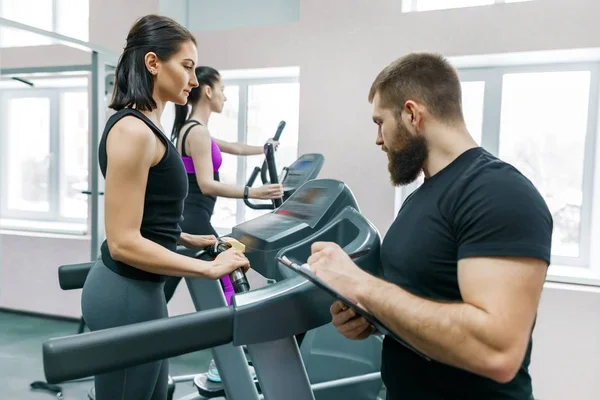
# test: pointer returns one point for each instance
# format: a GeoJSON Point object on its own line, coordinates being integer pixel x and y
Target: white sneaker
{"type": "Point", "coordinates": [214, 376]}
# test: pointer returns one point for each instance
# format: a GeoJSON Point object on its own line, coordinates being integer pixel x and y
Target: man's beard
{"type": "Point", "coordinates": [405, 165]}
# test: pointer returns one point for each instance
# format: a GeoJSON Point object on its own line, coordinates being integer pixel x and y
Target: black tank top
{"type": "Point", "coordinates": [166, 189]}
{"type": "Point", "coordinates": [195, 196]}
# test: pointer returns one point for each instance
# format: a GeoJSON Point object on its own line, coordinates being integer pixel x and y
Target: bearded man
{"type": "Point", "coordinates": [465, 260]}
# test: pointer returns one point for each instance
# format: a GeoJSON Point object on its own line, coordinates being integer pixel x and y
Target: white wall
{"type": "Point", "coordinates": [340, 45]}
{"type": "Point", "coordinates": [566, 348]}
{"type": "Point", "coordinates": [28, 272]}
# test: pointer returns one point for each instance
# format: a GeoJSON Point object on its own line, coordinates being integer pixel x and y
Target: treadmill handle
{"type": "Point", "coordinates": [73, 276]}
{"type": "Point", "coordinates": [78, 356]}
{"type": "Point", "coordinates": [365, 238]}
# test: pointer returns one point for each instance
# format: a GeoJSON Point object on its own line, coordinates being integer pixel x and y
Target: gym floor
{"type": "Point", "coordinates": [21, 338]}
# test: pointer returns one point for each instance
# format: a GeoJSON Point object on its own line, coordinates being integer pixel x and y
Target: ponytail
{"type": "Point", "coordinates": [181, 113]}
{"type": "Point", "coordinates": [206, 76]}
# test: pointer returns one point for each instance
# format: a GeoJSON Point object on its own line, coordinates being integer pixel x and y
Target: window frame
{"type": "Point", "coordinates": [568, 269]}
{"type": "Point", "coordinates": [56, 11]}
{"type": "Point", "coordinates": [409, 6]}
{"type": "Point", "coordinates": [55, 165]}
{"type": "Point", "coordinates": [242, 136]}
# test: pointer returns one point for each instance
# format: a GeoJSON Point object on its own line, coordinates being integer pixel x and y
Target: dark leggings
{"type": "Point", "coordinates": [109, 300]}
{"type": "Point", "coordinates": [196, 221]}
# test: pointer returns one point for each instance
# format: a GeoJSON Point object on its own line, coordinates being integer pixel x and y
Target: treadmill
{"type": "Point", "coordinates": [266, 320]}
{"type": "Point", "coordinates": [328, 356]}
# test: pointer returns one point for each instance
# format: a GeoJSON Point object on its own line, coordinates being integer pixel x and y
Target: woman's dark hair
{"type": "Point", "coordinates": [133, 82]}
{"type": "Point", "coordinates": [206, 76]}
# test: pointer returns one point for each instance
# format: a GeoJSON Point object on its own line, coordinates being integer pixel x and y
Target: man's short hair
{"type": "Point", "coordinates": [426, 78]}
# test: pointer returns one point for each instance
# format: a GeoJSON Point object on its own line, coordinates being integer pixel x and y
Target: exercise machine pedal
{"type": "Point", "coordinates": [210, 389]}
{"type": "Point", "coordinates": [207, 388]}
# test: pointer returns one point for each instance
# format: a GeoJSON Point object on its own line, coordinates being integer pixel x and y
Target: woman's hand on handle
{"type": "Point", "coordinates": [274, 142]}
{"type": "Point", "coordinates": [267, 192]}
{"type": "Point", "coordinates": [227, 262]}
{"type": "Point", "coordinates": [197, 241]}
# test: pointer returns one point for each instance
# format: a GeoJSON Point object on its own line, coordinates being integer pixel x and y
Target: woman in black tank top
{"type": "Point", "coordinates": [146, 185]}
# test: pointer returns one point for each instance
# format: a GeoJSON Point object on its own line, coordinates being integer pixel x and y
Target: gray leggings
{"type": "Point", "coordinates": [109, 300]}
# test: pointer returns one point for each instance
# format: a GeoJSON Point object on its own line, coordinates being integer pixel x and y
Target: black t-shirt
{"type": "Point", "coordinates": [476, 206]}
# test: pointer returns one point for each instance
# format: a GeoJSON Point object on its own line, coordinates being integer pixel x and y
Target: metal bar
{"type": "Point", "coordinates": [184, 378]}
{"type": "Point", "coordinates": [45, 70]}
{"type": "Point", "coordinates": [589, 160]}
{"type": "Point", "coordinates": [242, 138]}
{"type": "Point", "coordinates": [280, 370]}
{"type": "Point", "coordinates": [259, 81]}
{"type": "Point", "coordinates": [346, 381]}
{"type": "Point", "coordinates": [492, 104]}
{"type": "Point", "coordinates": [69, 41]}
{"type": "Point", "coordinates": [55, 155]}
{"type": "Point", "coordinates": [230, 360]}
{"type": "Point", "coordinates": [97, 117]}
{"type": "Point", "coordinates": [98, 352]}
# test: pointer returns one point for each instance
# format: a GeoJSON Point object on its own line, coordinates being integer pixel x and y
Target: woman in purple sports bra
{"type": "Point", "coordinates": [201, 156]}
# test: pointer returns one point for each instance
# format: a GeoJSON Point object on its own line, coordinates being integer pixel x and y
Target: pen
{"type": "Point", "coordinates": [360, 253]}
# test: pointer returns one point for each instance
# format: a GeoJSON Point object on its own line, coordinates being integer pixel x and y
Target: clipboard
{"type": "Point", "coordinates": [304, 270]}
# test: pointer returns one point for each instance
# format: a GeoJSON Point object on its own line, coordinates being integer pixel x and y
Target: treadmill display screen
{"type": "Point", "coordinates": [297, 174]}
{"type": "Point", "coordinates": [303, 164]}
{"type": "Point", "coordinates": [306, 204]}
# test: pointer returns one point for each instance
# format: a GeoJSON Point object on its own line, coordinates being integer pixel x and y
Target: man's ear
{"type": "Point", "coordinates": [414, 114]}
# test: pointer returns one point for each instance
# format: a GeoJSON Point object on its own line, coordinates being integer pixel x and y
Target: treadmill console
{"type": "Point", "coordinates": [307, 210]}
{"type": "Point", "coordinates": [304, 169]}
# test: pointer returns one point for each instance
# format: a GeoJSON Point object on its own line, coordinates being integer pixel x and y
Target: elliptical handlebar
{"type": "Point", "coordinates": [265, 166]}
{"type": "Point", "coordinates": [249, 184]}
{"type": "Point", "coordinates": [269, 167]}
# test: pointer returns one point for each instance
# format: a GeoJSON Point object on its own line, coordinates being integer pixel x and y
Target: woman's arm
{"type": "Point", "coordinates": [132, 149]}
{"type": "Point", "coordinates": [199, 147]}
{"type": "Point", "coordinates": [239, 149]}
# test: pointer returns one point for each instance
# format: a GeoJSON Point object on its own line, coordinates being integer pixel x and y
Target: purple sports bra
{"type": "Point", "coordinates": [217, 158]}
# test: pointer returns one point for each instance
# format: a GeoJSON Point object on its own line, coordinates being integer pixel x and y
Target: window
{"type": "Point", "coordinates": [472, 104]}
{"type": "Point", "coordinates": [224, 126]}
{"type": "Point", "coordinates": [268, 104]}
{"type": "Point", "coordinates": [430, 5]}
{"type": "Point", "coordinates": [550, 151]}
{"type": "Point", "coordinates": [44, 156]}
{"type": "Point", "coordinates": [264, 103]}
{"type": "Point", "coordinates": [67, 17]}
{"type": "Point", "coordinates": [517, 114]}
{"type": "Point", "coordinates": [255, 105]}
